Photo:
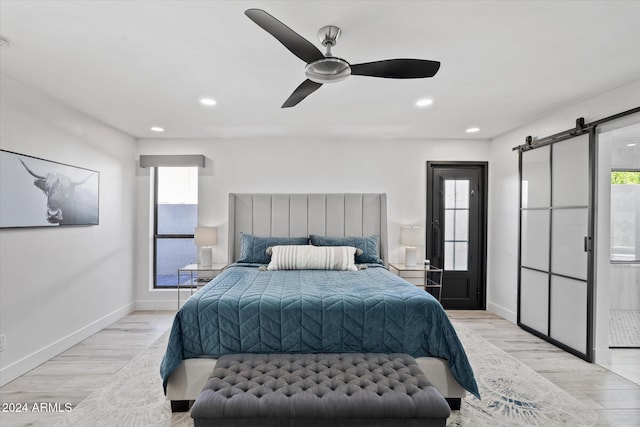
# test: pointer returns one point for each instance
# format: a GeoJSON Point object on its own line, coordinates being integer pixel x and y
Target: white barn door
{"type": "Point", "coordinates": [555, 283]}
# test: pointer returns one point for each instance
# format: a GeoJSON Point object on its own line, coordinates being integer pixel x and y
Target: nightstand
{"type": "Point", "coordinates": [196, 279]}
{"type": "Point", "coordinates": [428, 278]}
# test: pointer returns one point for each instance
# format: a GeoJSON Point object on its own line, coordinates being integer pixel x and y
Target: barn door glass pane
{"type": "Point", "coordinates": [568, 257]}
{"type": "Point", "coordinates": [571, 172]}
{"type": "Point", "coordinates": [536, 178]}
{"type": "Point", "coordinates": [569, 312]}
{"type": "Point", "coordinates": [535, 239]}
{"type": "Point", "coordinates": [456, 224]}
{"type": "Point", "coordinates": [534, 294]}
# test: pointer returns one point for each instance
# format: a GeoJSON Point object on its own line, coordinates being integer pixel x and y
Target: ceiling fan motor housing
{"type": "Point", "coordinates": [328, 70]}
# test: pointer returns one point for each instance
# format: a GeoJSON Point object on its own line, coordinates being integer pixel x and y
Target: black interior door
{"type": "Point", "coordinates": [456, 231]}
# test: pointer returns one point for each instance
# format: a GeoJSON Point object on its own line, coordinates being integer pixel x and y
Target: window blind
{"type": "Point", "coordinates": [172, 160]}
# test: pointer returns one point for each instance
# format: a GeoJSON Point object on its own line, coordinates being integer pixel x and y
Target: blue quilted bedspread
{"type": "Point", "coordinates": [245, 310]}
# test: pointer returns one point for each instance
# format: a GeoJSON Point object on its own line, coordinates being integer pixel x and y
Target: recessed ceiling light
{"type": "Point", "coordinates": [209, 102]}
{"type": "Point", "coordinates": [424, 102]}
{"type": "Point", "coordinates": [473, 130]}
{"type": "Point", "coordinates": [157, 129]}
{"type": "Point", "coordinates": [633, 144]}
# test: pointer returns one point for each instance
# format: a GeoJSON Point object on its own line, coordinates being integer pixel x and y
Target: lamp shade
{"type": "Point", "coordinates": [206, 236]}
{"type": "Point", "coordinates": [410, 235]}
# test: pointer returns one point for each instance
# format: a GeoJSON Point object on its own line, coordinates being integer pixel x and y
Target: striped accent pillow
{"type": "Point", "coordinates": [308, 257]}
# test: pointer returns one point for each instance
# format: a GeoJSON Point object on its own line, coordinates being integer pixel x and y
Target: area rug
{"type": "Point", "coordinates": [512, 395]}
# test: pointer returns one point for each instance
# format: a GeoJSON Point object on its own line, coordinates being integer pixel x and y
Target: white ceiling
{"type": "Point", "coordinates": [137, 64]}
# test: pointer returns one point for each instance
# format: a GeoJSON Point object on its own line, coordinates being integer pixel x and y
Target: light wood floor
{"type": "Point", "coordinates": [76, 373]}
{"type": "Point", "coordinates": [73, 375]}
{"type": "Point", "coordinates": [616, 398]}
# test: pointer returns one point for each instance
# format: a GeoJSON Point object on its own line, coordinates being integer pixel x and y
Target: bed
{"type": "Point", "coordinates": [249, 309]}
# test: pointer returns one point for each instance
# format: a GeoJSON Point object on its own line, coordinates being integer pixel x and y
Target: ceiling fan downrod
{"type": "Point", "coordinates": [330, 69]}
{"type": "Point", "coordinates": [328, 36]}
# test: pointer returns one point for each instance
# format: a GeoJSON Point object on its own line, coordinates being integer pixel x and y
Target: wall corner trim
{"type": "Point", "coordinates": [506, 314]}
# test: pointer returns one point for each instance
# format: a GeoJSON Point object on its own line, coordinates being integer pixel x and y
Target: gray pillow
{"type": "Point", "coordinates": [368, 245]}
{"type": "Point", "coordinates": [253, 249]}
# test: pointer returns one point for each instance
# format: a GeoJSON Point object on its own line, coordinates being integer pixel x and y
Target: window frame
{"type": "Point", "coordinates": [157, 236]}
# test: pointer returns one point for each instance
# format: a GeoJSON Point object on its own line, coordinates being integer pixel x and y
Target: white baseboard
{"type": "Point", "coordinates": [502, 312]}
{"type": "Point", "coordinates": [157, 305]}
{"type": "Point", "coordinates": [37, 358]}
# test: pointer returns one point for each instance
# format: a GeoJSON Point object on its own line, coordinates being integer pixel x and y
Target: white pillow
{"type": "Point", "coordinates": [308, 257]}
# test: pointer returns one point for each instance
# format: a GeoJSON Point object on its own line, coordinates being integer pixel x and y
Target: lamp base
{"type": "Point", "coordinates": [411, 256]}
{"type": "Point", "coordinates": [206, 257]}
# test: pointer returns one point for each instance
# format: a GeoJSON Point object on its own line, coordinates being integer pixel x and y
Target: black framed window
{"type": "Point", "coordinates": [175, 219]}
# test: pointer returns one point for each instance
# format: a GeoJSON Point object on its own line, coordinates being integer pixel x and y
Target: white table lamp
{"type": "Point", "coordinates": [410, 237]}
{"type": "Point", "coordinates": [205, 238]}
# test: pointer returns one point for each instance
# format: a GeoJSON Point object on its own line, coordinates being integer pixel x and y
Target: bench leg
{"type": "Point", "coordinates": [181, 405]}
{"type": "Point", "coordinates": [454, 403]}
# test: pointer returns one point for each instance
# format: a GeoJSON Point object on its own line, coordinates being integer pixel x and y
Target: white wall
{"type": "Point", "coordinates": [396, 167]}
{"type": "Point", "coordinates": [503, 189]}
{"type": "Point", "coordinates": [59, 286]}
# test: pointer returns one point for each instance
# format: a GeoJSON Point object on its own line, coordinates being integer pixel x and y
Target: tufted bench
{"type": "Point", "coordinates": [309, 390]}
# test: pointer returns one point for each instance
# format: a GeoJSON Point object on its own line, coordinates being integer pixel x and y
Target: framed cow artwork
{"type": "Point", "coordinates": [36, 192]}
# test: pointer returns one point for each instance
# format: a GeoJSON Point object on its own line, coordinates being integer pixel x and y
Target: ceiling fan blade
{"type": "Point", "coordinates": [397, 68]}
{"type": "Point", "coordinates": [305, 89]}
{"type": "Point", "coordinates": [298, 45]}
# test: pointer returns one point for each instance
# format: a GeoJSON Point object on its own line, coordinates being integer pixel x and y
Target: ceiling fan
{"type": "Point", "coordinates": [326, 68]}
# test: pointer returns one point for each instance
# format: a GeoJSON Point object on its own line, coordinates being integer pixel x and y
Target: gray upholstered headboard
{"type": "Point", "coordinates": [294, 215]}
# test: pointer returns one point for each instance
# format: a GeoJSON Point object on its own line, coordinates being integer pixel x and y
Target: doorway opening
{"type": "Point", "coordinates": [456, 230]}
